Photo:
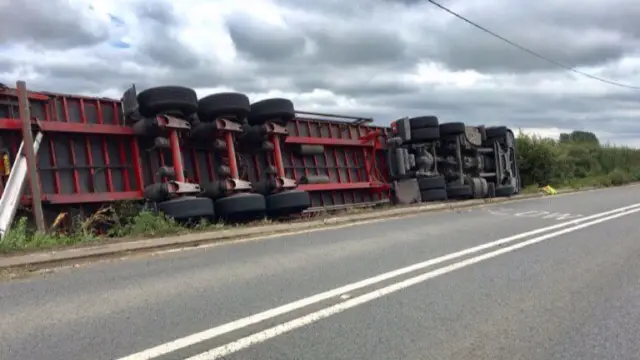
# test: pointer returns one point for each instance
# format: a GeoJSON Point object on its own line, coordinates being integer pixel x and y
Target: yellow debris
{"type": "Point", "coordinates": [549, 190]}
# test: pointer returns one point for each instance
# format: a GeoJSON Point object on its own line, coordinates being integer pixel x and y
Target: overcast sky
{"type": "Point", "coordinates": [379, 58]}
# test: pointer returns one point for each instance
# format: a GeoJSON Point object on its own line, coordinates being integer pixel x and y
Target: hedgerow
{"type": "Point", "coordinates": [575, 160]}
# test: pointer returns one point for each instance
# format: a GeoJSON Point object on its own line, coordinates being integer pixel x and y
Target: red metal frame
{"type": "Point", "coordinates": [350, 159]}
{"type": "Point", "coordinates": [69, 114]}
{"type": "Point", "coordinates": [58, 126]}
{"type": "Point", "coordinates": [328, 141]}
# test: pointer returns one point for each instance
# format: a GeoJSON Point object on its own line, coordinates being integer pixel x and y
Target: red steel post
{"type": "Point", "coordinates": [176, 154]}
{"type": "Point", "coordinates": [231, 153]}
{"type": "Point", "coordinates": [277, 155]}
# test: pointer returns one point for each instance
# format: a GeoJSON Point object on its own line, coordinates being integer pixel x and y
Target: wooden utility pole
{"type": "Point", "coordinates": [30, 156]}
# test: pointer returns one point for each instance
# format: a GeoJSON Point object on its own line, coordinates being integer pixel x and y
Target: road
{"type": "Point", "coordinates": [549, 278]}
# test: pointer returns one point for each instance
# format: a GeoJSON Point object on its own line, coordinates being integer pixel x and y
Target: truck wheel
{"type": "Point", "coordinates": [288, 203]}
{"type": "Point", "coordinates": [434, 195]}
{"type": "Point", "coordinates": [276, 109]}
{"type": "Point", "coordinates": [425, 134]}
{"type": "Point", "coordinates": [491, 190]}
{"type": "Point", "coordinates": [505, 190]}
{"type": "Point", "coordinates": [496, 132]}
{"type": "Point", "coordinates": [459, 192]}
{"type": "Point", "coordinates": [156, 100]}
{"type": "Point", "coordinates": [156, 192]}
{"type": "Point", "coordinates": [451, 129]}
{"type": "Point", "coordinates": [242, 206]}
{"type": "Point", "coordinates": [479, 188]}
{"type": "Point", "coordinates": [188, 208]}
{"type": "Point", "coordinates": [224, 104]}
{"type": "Point", "coordinates": [435, 182]}
{"type": "Point", "coordinates": [421, 122]}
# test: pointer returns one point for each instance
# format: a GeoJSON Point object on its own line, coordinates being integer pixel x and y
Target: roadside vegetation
{"type": "Point", "coordinates": [576, 160]}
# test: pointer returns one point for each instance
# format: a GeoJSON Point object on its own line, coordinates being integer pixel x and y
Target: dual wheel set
{"type": "Point", "coordinates": [221, 121]}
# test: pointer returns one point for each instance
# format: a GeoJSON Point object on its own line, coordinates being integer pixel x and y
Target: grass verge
{"type": "Point", "coordinates": [109, 224]}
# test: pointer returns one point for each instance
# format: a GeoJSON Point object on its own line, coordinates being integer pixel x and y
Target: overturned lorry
{"type": "Point", "coordinates": [222, 156]}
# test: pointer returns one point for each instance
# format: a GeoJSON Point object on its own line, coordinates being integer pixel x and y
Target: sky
{"type": "Point", "coordinates": [384, 59]}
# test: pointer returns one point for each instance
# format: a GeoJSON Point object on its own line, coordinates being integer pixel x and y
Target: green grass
{"type": "Point", "coordinates": [144, 224]}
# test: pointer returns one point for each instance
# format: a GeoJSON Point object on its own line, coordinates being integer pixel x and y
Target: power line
{"type": "Point", "coordinates": [531, 52]}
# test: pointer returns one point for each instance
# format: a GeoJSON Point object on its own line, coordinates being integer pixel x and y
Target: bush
{"type": "Point", "coordinates": [576, 160]}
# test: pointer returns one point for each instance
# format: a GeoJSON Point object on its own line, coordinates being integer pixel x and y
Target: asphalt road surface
{"type": "Point", "coordinates": [549, 278]}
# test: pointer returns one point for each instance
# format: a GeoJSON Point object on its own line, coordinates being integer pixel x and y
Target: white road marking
{"type": "Point", "coordinates": [561, 216]}
{"type": "Point", "coordinates": [531, 213]}
{"type": "Point", "coordinates": [548, 215]}
{"type": "Point", "coordinates": [543, 214]}
{"type": "Point", "coordinates": [211, 333]}
{"type": "Point", "coordinates": [335, 309]}
{"type": "Point", "coordinates": [500, 211]}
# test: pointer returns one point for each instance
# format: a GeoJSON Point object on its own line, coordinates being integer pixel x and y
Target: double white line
{"type": "Point", "coordinates": [261, 336]}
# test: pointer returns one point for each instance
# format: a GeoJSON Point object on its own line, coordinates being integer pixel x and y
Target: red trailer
{"type": "Point", "coordinates": [91, 155]}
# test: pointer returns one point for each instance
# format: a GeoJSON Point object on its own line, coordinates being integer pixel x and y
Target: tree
{"type": "Point", "coordinates": [578, 136]}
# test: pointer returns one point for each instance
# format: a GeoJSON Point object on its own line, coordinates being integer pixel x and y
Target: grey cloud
{"type": "Point", "coordinates": [336, 8]}
{"type": "Point", "coordinates": [357, 46]}
{"type": "Point", "coordinates": [264, 42]}
{"type": "Point", "coordinates": [46, 24]}
{"type": "Point", "coordinates": [160, 12]}
{"type": "Point", "coordinates": [350, 44]}
{"type": "Point", "coordinates": [486, 54]}
{"type": "Point", "coordinates": [571, 32]}
{"type": "Point", "coordinates": [575, 33]}
{"type": "Point", "coordinates": [362, 49]}
{"type": "Point", "coordinates": [162, 47]}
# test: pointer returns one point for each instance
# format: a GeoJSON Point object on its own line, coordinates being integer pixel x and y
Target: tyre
{"type": "Point", "coordinates": [188, 208]}
{"type": "Point", "coordinates": [479, 188]}
{"type": "Point", "coordinates": [425, 134]}
{"type": "Point", "coordinates": [224, 104]}
{"type": "Point", "coordinates": [459, 191]}
{"type": "Point", "coordinates": [434, 195]}
{"type": "Point", "coordinates": [242, 206]}
{"type": "Point", "coordinates": [288, 203]}
{"type": "Point", "coordinates": [277, 110]}
{"type": "Point", "coordinates": [156, 192]}
{"type": "Point", "coordinates": [167, 99]}
{"type": "Point", "coordinates": [505, 190]}
{"type": "Point", "coordinates": [435, 182]}
{"type": "Point", "coordinates": [451, 129]}
{"type": "Point", "coordinates": [421, 122]}
{"type": "Point", "coordinates": [496, 132]}
{"type": "Point", "coordinates": [491, 190]}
